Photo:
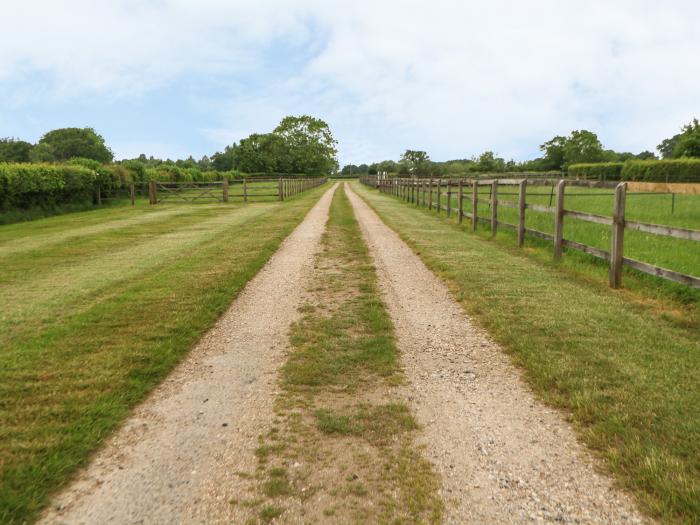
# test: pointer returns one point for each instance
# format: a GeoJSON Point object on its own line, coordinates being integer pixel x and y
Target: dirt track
{"type": "Point", "coordinates": [503, 456]}
{"type": "Point", "coordinates": [175, 460]}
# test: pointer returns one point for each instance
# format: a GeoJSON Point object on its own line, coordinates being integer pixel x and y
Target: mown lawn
{"type": "Point", "coordinates": [624, 366]}
{"type": "Point", "coordinates": [96, 308]}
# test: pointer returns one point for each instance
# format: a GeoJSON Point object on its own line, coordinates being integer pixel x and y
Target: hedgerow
{"type": "Point", "coordinates": [676, 170]}
{"type": "Point", "coordinates": [597, 171]}
{"type": "Point", "coordinates": [25, 186]}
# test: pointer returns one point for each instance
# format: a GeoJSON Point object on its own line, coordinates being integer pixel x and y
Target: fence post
{"type": "Point", "coordinates": [132, 193]}
{"type": "Point", "coordinates": [494, 207]}
{"type": "Point", "coordinates": [439, 203]}
{"type": "Point", "coordinates": [152, 192]}
{"type": "Point", "coordinates": [475, 202]}
{"type": "Point", "coordinates": [460, 200]}
{"type": "Point", "coordinates": [430, 193]}
{"type": "Point", "coordinates": [522, 192]}
{"type": "Point", "coordinates": [245, 190]}
{"type": "Point", "coordinates": [449, 197]}
{"type": "Point", "coordinates": [559, 220]}
{"type": "Point", "coordinates": [225, 189]}
{"type": "Point", "coordinates": [618, 235]}
{"type": "Point", "coordinates": [280, 191]}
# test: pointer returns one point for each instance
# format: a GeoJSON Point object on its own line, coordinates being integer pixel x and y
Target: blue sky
{"type": "Point", "coordinates": [174, 78]}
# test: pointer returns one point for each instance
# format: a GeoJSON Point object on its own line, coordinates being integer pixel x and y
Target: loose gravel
{"type": "Point", "coordinates": [177, 457]}
{"type": "Point", "coordinates": [503, 456]}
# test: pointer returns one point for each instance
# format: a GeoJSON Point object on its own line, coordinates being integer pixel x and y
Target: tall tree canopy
{"type": "Point", "coordinates": [580, 146]}
{"type": "Point", "coordinates": [311, 148]}
{"type": "Point", "coordinates": [64, 144]}
{"type": "Point", "coordinates": [415, 162]}
{"type": "Point", "coordinates": [14, 150]}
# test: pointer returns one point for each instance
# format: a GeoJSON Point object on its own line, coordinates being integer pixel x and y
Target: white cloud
{"type": "Point", "coordinates": [453, 77]}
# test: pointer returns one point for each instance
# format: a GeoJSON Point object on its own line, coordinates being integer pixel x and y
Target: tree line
{"type": "Point", "coordinates": [580, 146]}
{"type": "Point", "coordinates": [299, 145]}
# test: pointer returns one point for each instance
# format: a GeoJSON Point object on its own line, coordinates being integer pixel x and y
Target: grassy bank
{"type": "Point", "coordinates": [341, 449]}
{"type": "Point", "coordinates": [622, 365]}
{"type": "Point", "coordinates": [97, 308]}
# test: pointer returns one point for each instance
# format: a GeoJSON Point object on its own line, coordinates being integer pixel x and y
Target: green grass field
{"type": "Point", "coordinates": [97, 307]}
{"type": "Point", "coordinates": [621, 363]}
{"type": "Point", "coordinates": [675, 254]}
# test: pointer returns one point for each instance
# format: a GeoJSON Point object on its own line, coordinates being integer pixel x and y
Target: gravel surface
{"type": "Point", "coordinates": [176, 459]}
{"type": "Point", "coordinates": [503, 456]}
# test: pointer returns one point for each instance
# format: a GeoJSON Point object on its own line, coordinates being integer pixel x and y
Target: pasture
{"type": "Point", "coordinates": [98, 306]}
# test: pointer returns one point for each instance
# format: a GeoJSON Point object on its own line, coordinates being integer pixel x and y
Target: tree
{"type": "Point", "coordinates": [580, 146]}
{"type": "Point", "coordinates": [415, 162]}
{"type": "Point", "coordinates": [688, 144]}
{"type": "Point", "coordinates": [554, 153]}
{"type": "Point", "coordinates": [310, 146]}
{"type": "Point", "coordinates": [67, 143]}
{"type": "Point", "coordinates": [262, 153]}
{"type": "Point", "coordinates": [43, 152]}
{"type": "Point", "coordinates": [14, 150]}
{"type": "Point", "coordinates": [488, 161]}
{"type": "Point", "coordinates": [223, 161]}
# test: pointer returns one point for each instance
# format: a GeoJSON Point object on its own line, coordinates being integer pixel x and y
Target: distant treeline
{"type": "Point", "coordinates": [558, 155]}
{"type": "Point", "coordinates": [298, 145]}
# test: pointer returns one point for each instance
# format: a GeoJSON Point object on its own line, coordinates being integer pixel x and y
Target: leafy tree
{"type": "Point", "coordinates": [43, 152]}
{"type": "Point", "coordinates": [415, 162]}
{"type": "Point", "coordinates": [580, 146]}
{"type": "Point", "coordinates": [262, 153]}
{"type": "Point", "coordinates": [488, 161]}
{"type": "Point", "coordinates": [223, 161]}
{"type": "Point", "coordinates": [14, 150]}
{"type": "Point", "coordinates": [310, 146]}
{"type": "Point", "coordinates": [646, 155]}
{"type": "Point", "coordinates": [688, 145]}
{"type": "Point", "coordinates": [67, 143]}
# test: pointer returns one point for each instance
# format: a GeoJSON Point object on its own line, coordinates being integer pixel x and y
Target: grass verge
{"type": "Point", "coordinates": [342, 446]}
{"type": "Point", "coordinates": [97, 308]}
{"type": "Point", "coordinates": [623, 366]}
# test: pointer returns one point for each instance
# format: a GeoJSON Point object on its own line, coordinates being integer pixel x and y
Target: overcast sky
{"type": "Point", "coordinates": [173, 78]}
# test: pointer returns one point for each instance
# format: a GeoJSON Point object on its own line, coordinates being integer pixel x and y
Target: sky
{"type": "Point", "coordinates": [173, 78]}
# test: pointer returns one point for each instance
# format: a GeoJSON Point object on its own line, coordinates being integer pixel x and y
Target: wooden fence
{"type": "Point", "coordinates": [245, 190]}
{"type": "Point", "coordinates": [431, 192]}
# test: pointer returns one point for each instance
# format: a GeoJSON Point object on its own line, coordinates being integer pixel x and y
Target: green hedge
{"type": "Point", "coordinates": [25, 186]}
{"type": "Point", "coordinates": [677, 170]}
{"type": "Point", "coordinates": [597, 171]}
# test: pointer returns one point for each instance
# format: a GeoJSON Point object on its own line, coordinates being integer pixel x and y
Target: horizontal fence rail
{"type": "Point", "coordinates": [430, 193]}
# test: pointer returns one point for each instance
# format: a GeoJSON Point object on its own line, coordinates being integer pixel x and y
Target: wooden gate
{"type": "Point", "coordinates": [191, 191]}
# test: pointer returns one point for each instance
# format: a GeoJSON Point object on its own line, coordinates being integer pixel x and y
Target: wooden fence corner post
{"type": "Point", "coordinates": [439, 196]}
{"type": "Point", "coordinates": [522, 193]}
{"type": "Point", "coordinates": [245, 190]}
{"type": "Point", "coordinates": [475, 203]}
{"type": "Point", "coordinates": [494, 207]}
{"type": "Point", "coordinates": [280, 189]}
{"type": "Point", "coordinates": [618, 235]}
{"type": "Point", "coordinates": [225, 189]}
{"type": "Point", "coordinates": [559, 220]}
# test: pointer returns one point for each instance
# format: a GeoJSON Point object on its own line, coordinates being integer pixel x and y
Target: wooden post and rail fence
{"type": "Point", "coordinates": [415, 190]}
{"type": "Point", "coordinates": [245, 190]}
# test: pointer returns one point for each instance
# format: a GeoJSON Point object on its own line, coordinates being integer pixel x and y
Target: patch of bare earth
{"type": "Point", "coordinates": [503, 456]}
{"type": "Point", "coordinates": [175, 460]}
